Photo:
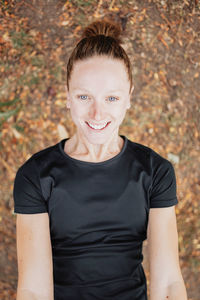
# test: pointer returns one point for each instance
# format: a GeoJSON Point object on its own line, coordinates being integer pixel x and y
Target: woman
{"type": "Point", "coordinates": [87, 203]}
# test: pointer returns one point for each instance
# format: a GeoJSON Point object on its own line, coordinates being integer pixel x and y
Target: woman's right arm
{"type": "Point", "coordinates": [34, 256]}
{"type": "Point", "coordinates": [27, 295]}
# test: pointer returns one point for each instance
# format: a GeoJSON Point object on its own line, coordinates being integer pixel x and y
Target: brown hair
{"type": "Point", "coordinates": [101, 37]}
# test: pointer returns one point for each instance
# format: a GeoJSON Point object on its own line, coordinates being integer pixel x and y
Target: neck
{"type": "Point", "coordinates": [82, 148]}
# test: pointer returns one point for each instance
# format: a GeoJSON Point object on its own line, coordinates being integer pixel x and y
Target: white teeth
{"type": "Point", "coordinates": [97, 127]}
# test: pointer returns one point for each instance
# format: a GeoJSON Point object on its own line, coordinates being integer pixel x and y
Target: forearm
{"type": "Point", "coordinates": [174, 291]}
{"type": "Point", "coordinates": [23, 294]}
{"type": "Point", "coordinates": [177, 291]}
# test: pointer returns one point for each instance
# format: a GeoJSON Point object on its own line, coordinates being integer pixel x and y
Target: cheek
{"type": "Point", "coordinates": [120, 115]}
{"type": "Point", "coordinates": [118, 111]}
{"type": "Point", "coordinates": [78, 110]}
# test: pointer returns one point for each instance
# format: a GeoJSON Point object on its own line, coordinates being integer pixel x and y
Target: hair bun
{"type": "Point", "coordinates": [103, 27]}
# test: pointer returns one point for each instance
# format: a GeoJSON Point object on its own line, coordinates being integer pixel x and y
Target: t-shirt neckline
{"type": "Point", "coordinates": [116, 157]}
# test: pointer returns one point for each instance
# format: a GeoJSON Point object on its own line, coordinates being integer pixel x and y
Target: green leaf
{"type": "Point", "coordinates": [8, 103]}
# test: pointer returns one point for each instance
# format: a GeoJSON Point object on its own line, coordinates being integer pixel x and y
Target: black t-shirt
{"type": "Point", "coordinates": [98, 214]}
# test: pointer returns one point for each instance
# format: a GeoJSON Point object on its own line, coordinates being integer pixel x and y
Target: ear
{"type": "Point", "coordinates": [129, 104]}
{"type": "Point", "coordinates": [68, 96]}
{"type": "Point", "coordinates": [129, 100]}
{"type": "Point", "coordinates": [132, 89]}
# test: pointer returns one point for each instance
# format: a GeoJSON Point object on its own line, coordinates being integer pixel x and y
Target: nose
{"type": "Point", "coordinates": [97, 111]}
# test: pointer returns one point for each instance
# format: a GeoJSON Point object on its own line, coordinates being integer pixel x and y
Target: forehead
{"type": "Point", "coordinates": [100, 71]}
{"type": "Point", "coordinates": [99, 62]}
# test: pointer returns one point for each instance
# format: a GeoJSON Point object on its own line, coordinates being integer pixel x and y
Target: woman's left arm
{"type": "Point", "coordinates": [166, 281]}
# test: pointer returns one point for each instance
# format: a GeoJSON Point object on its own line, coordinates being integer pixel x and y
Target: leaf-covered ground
{"type": "Point", "coordinates": [162, 39]}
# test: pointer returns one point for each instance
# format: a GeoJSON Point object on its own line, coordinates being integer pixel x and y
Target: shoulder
{"type": "Point", "coordinates": [40, 158]}
{"type": "Point", "coordinates": [147, 155]}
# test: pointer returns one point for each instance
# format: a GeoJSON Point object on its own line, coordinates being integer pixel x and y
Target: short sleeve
{"type": "Point", "coordinates": [163, 182]}
{"type": "Point", "coordinates": [27, 194]}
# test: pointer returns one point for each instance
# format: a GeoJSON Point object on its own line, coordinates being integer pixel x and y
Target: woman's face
{"type": "Point", "coordinates": [98, 95]}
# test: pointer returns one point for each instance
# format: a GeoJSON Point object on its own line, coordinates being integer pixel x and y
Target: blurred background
{"type": "Point", "coordinates": [162, 39]}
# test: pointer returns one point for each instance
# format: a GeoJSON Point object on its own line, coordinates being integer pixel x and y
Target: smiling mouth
{"type": "Point", "coordinates": [97, 128]}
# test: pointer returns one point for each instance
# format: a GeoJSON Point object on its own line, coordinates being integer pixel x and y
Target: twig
{"type": "Point", "coordinates": [160, 38]}
{"type": "Point", "coordinates": [111, 5]}
{"type": "Point", "coordinates": [6, 165]}
{"type": "Point", "coordinates": [96, 14]}
{"type": "Point", "coordinates": [33, 8]}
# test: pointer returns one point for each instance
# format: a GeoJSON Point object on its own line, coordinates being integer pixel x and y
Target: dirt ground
{"type": "Point", "coordinates": [162, 39]}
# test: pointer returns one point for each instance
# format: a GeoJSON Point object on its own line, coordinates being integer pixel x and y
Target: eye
{"type": "Point", "coordinates": [82, 97]}
{"type": "Point", "coordinates": [111, 97]}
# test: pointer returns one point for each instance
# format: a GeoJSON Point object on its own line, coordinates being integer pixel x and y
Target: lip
{"type": "Point", "coordinates": [98, 129]}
